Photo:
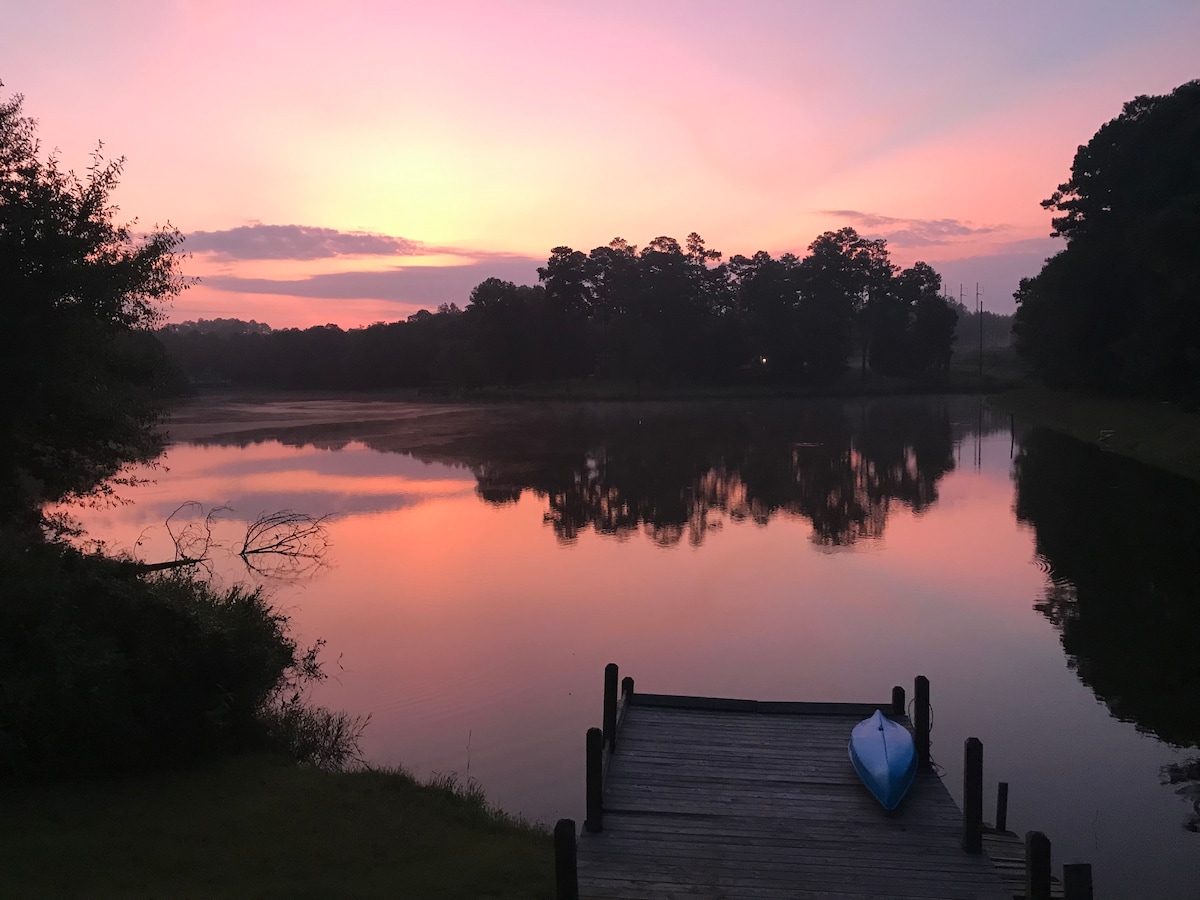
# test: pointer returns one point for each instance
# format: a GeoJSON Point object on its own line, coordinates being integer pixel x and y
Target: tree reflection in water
{"type": "Point", "coordinates": [1121, 544]}
{"type": "Point", "coordinates": [675, 472]}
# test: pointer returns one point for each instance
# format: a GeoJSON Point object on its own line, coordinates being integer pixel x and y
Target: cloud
{"type": "Point", "coordinates": [913, 232]}
{"type": "Point", "coordinates": [300, 242]}
{"type": "Point", "coordinates": [425, 286]}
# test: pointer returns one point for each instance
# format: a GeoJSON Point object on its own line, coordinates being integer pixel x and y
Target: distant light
{"type": "Point", "coordinates": [763, 360]}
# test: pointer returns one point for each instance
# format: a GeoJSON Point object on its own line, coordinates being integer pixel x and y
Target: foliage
{"type": "Point", "coordinates": [102, 670]}
{"type": "Point", "coordinates": [667, 313]}
{"type": "Point", "coordinates": [219, 326]}
{"type": "Point", "coordinates": [1118, 310]}
{"type": "Point", "coordinates": [81, 375]}
{"type": "Point", "coordinates": [914, 325]}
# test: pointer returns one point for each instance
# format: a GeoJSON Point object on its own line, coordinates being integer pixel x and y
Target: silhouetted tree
{"type": "Point", "coordinates": [81, 375]}
{"type": "Point", "coordinates": [914, 328]}
{"type": "Point", "coordinates": [568, 307]}
{"type": "Point", "coordinates": [501, 320]}
{"type": "Point", "coordinates": [766, 296]}
{"type": "Point", "coordinates": [1119, 308]}
{"type": "Point", "coordinates": [842, 282]}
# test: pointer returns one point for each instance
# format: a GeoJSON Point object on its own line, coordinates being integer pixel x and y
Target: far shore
{"type": "Point", "coordinates": [1157, 434]}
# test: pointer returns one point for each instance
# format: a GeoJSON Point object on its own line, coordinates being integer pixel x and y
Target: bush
{"type": "Point", "coordinates": [102, 670]}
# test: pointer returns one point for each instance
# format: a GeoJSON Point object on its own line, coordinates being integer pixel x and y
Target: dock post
{"type": "Point", "coordinates": [610, 705]}
{"type": "Point", "coordinates": [921, 718]}
{"type": "Point", "coordinates": [972, 838]}
{"type": "Point", "coordinates": [1037, 866]}
{"type": "Point", "coordinates": [627, 689]}
{"type": "Point", "coordinates": [898, 701]}
{"type": "Point", "coordinates": [1077, 881]}
{"type": "Point", "coordinates": [595, 783]}
{"type": "Point", "coordinates": [1002, 806]}
{"type": "Point", "coordinates": [566, 873]}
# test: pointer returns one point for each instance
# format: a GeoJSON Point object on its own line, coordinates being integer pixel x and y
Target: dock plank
{"type": "Point", "coordinates": [706, 797]}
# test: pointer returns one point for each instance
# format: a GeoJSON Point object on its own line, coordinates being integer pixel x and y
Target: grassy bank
{"type": "Point", "coordinates": [1158, 434]}
{"type": "Point", "coordinates": [261, 827]}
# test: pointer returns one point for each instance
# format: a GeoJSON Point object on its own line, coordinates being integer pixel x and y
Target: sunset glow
{"type": "Point", "coordinates": [485, 134]}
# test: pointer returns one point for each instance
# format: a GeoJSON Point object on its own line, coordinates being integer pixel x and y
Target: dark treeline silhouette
{"type": "Point", "coordinates": [675, 471]}
{"type": "Point", "coordinates": [1118, 310]}
{"type": "Point", "coordinates": [667, 313]}
{"type": "Point", "coordinates": [1122, 547]}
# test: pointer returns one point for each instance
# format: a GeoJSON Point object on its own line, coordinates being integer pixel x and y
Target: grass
{"type": "Point", "coordinates": [261, 827]}
{"type": "Point", "coordinates": [1158, 434]}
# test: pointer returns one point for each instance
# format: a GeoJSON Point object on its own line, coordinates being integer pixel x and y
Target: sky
{"type": "Point", "coordinates": [354, 162]}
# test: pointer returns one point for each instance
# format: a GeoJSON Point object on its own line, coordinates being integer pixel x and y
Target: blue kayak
{"type": "Point", "coordinates": [884, 757]}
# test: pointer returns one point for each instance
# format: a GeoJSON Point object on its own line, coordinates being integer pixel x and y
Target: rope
{"type": "Point", "coordinates": [938, 770]}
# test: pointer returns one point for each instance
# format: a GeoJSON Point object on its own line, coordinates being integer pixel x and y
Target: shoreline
{"type": "Point", "coordinates": [1160, 435]}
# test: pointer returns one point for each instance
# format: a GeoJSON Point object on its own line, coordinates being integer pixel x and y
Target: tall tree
{"type": "Point", "coordinates": [569, 303]}
{"type": "Point", "coordinates": [914, 329]}
{"type": "Point", "coordinates": [506, 341]}
{"type": "Point", "coordinates": [843, 280]}
{"type": "Point", "coordinates": [1119, 308]}
{"type": "Point", "coordinates": [80, 372]}
{"type": "Point", "coordinates": [766, 294]}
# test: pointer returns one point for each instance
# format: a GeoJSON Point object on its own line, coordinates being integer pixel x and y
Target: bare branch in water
{"type": "Point", "coordinates": [285, 544]}
{"type": "Point", "coordinates": [193, 539]}
{"type": "Point", "coordinates": [282, 545]}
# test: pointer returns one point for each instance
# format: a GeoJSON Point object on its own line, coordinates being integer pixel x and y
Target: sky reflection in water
{"type": "Point", "coordinates": [485, 566]}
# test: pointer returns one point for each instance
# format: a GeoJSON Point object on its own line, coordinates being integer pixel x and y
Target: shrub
{"type": "Point", "coordinates": [102, 670]}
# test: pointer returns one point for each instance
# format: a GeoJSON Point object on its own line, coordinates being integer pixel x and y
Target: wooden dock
{"type": "Point", "coordinates": [705, 797]}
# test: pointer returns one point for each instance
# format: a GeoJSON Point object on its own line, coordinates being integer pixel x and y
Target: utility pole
{"type": "Point", "coordinates": [979, 310]}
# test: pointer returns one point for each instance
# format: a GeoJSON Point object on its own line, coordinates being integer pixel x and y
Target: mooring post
{"type": "Point", "coordinates": [1002, 806]}
{"type": "Point", "coordinates": [921, 718]}
{"type": "Point", "coordinates": [566, 874]}
{"type": "Point", "coordinates": [972, 837]}
{"type": "Point", "coordinates": [897, 701]}
{"type": "Point", "coordinates": [627, 689]}
{"type": "Point", "coordinates": [1037, 866]}
{"type": "Point", "coordinates": [610, 705]}
{"type": "Point", "coordinates": [595, 780]}
{"type": "Point", "coordinates": [1077, 881]}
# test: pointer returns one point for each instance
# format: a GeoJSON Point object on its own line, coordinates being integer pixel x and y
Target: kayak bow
{"type": "Point", "coordinates": [884, 757]}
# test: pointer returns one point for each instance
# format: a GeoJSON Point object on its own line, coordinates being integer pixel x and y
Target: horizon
{"type": "Point", "coordinates": [358, 165]}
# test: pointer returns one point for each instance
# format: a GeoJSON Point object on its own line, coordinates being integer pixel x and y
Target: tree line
{"type": "Point", "coordinates": [665, 313]}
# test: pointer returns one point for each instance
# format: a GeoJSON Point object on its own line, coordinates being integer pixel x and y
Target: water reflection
{"type": "Point", "coordinates": [676, 471]}
{"type": "Point", "coordinates": [1121, 544]}
{"type": "Point", "coordinates": [487, 561]}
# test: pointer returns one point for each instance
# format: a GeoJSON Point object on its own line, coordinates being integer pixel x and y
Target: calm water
{"type": "Point", "coordinates": [485, 563]}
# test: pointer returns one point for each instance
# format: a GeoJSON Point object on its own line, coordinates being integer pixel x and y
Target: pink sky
{"type": "Point", "coordinates": [475, 137]}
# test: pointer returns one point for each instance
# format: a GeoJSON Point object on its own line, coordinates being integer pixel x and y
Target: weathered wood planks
{"type": "Point", "coordinates": [707, 797]}
{"type": "Point", "coordinates": [1007, 853]}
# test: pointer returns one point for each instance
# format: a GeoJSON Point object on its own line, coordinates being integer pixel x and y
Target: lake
{"type": "Point", "coordinates": [486, 562]}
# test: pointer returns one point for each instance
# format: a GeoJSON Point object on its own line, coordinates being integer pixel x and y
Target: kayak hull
{"type": "Point", "coordinates": [885, 758]}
